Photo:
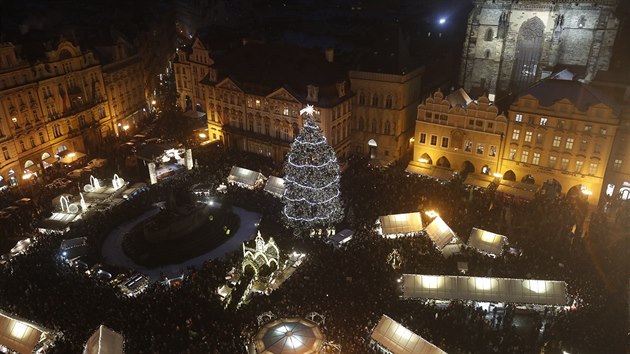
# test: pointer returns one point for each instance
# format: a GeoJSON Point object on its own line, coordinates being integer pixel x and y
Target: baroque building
{"type": "Point", "coordinates": [560, 137]}
{"type": "Point", "coordinates": [458, 134]}
{"type": "Point", "coordinates": [509, 44]}
{"type": "Point", "coordinates": [53, 104]}
{"type": "Point", "coordinates": [253, 94]}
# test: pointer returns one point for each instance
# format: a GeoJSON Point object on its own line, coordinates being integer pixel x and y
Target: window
{"type": "Point", "coordinates": [444, 142]}
{"type": "Point", "coordinates": [540, 138]}
{"type": "Point", "coordinates": [617, 165]}
{"type": "Point", "coordinates": [515, 134]}
{"type": "Point", "coordinates": [388, 102]}
{"type": "Point", "coordinates": [443, 117]}
{"type": "Point", "coordinates": [480, 148]}
{"type": "Point", "coordinates": [490, 125]}
{"type": "Point", "coordinates": [5, 152]}
{"type": "Point", "coordinates": [386, 129]}
{"type": "Point", "coordinates": [428, 115]}
{"type": "Point", "coordinates": [569, 144]}
{"type": "Point", "coordinates": [375, 101]}
{"type": "Point", "coordinates": [543, 121]}
{"type": "Point", "coordinates": [552, 161]}
{"type": "Point", "coordinates": [528, 137]}
{"type": "Point", "coordinates": [32, 141]}
{"type": "Point", "coordinates": [423, 138]}
{"type": "Point", "coordinates": [556, 141]}
{"type": "Point", "coordinates": [560, 124]}
{"type": "Point", "coordinates": [489, 35]}
{"type": "Point", "coordinates": [592, 168]}
{"type": "Point", "coordinates": [578, 166]}
{"type": "Point", "coordinates": [471, 122]}
{"type": "Point", "coordinates": [257, 104]}
{"type": "Point", "coordinates": [41, 138]}
{"type": "Point", "coordinates": [536, 158]}
{"type": "Point", "coordinates": [588, 128]}
{"type": "Point", "coordinates": [518, 118]}
{"type": "Point", "coordinates": [583, 145]}
{"type": "Point", "coordinates": [512, 154]}
{"type": "Point", "coordinates": [468, 146]}
{"type": "Point", "coordinates": [479, 123]}
{"type": "Point", "coordinates": [434, 140]}
{"type": "Point", "coordinates": [564, 164]}
{"type": "Point", "coordinates": [285, 110]}
{"type": "Point", "coordinates": [250, 102]}
{"type": "Point", "coordinates": [361, 98]}
{"type": "Point", "coordinates": [22, 145]}
{"type": "Point", "coordinates": [602, 131]}
{"type": "Point", "coordinates": [493, 151]}
{"type": "Point", "coordinates": [524, 156]}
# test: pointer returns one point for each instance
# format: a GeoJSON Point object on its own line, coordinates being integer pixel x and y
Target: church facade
{"type": "Point", "coordinates": [510, 44]}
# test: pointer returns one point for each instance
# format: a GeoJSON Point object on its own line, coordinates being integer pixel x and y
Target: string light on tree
{"type": "Point", "coordinates": [311, 197]}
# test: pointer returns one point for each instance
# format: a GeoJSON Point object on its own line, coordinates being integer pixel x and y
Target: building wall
{"type": "Point", "coordinates": [473, 134]}
{"type": "Point", "coordinates": [571, 146]}
{"type": "Point", "coordinates": [56, 104]}
{"type": "Point", "coordinates": [617, 179]}
{"type": "Point", "coordinates": [191, 67]}
{"type": "Point", "coordinates": [384, 112]}
{"type": "Point", "coordinates": [575, 33]}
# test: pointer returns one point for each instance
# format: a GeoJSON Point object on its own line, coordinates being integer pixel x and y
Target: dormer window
{"type": "Point", "coordinates": [312, 93]}
{"type": "Point", "coordinates": [341, 89]}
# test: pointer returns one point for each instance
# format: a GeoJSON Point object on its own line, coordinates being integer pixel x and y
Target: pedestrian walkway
{"type": "Point", "coordinates": [113, 253]}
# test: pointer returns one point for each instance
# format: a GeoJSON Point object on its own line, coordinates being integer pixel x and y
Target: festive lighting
{"type": "Point", "coordinates": [431, 281]}
{"type": "Point", "coordinates": [125, 127]}
{"type": "Point", "coordinates": [312, 179]}
{"type": "Point", "coordinates": [497, 175]}
{"type": "Point", "coordinates": [423, 160]}
{"type": "Point", "coordinates": [202, 135]}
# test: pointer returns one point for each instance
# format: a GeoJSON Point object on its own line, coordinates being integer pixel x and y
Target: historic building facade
{"type": "Point", "coordinates": [457, 133]}
{"type": "Point", "coordinates": [56, 104]}
{"type": "Point", "coordinates": [384, 111]}
{"type": "Point", "coordinates": [509, 44]}
{"type": "Point", "coordinates": [560, 135]}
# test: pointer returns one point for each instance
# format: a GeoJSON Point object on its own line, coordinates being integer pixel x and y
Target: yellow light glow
{"type": "Point", "coordinates": [423, 160]}
{"type": "Point", "coordinates": [537, 286]}
{"type": "Point", "coordinates": [431, 214]}
{"type": "Point", "coordinates": [153, 102]}
{"type": "Point", "coordinates": [19, 330]}
{"type": "Point", "coordinates": [125, 127]}
{"type": "Point", "coordinates": [488, 237]}
{"type": "Point", "coordinates": [484, 283]}
{"type": "Point", "coordinates": [203, 135]}
{"type": "Point", "coordinates": [586, 191]}
{"type": "Point", "coordinates": [72, 154]}
{"type": "Point", "coordinates": [431, 281]}
{"type": "Point", "coordinates": [411, 140]}
{"type": "Point", "coordinates": [497, 175]}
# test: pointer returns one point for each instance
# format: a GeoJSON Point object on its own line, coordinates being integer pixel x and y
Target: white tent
{"type": "Point", "coordinates": [275, 186]}
{"type": "Point", "coordinates": [244, 177]}
{"type": "Point", "coordinates": [105, 340]}
{"type": "Point", "coordinates": [439, 232]}
{"type": "Point", "coordinates": [522, 291]}
{"type": "Point", "coordinates": [21, 336]}
{"type": "Point", "coordinates": [486, 241]}
{"type": "Point", "coordinates": [399, 340]}
{"type": "Point", "coordinates": [396, 225]}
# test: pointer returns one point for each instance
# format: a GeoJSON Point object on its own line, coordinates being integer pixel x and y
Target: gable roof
{"type": "Point", "coordinates": [583, 96]}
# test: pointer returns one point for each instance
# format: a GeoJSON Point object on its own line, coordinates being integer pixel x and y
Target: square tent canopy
{"type": "Point", "coordinates": [275, 186]}
{"type": "Point", "coordinates": [520, 291]}
{"type": "Point", "coordinates": [244, 177]}
{"type": "Point", "coordinates": [440, 233]}
{"type": "Point", "coordinates": [105, 340]}
{"type": "Point", "coordinates": [519, 190]}
{"type": "Point", "coordinates": [399, 340]}
{"type": "Point", "coordinates": [400, 224]}
{"type": "Point", "coordinates": [19, 335]}
{"type": "Point", "coordinates": [486, 241]}
{"type": "Point", "coordinates": [478, 180]}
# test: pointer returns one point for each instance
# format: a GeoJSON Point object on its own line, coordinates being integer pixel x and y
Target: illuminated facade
{"type": "Point", "coordinates": [460, 134]}
{"type": "Point", "coordinates": [617, 180]}
{"type": "Point", "coordinates": [510, 45]}
{"type": "Point", "coordinates": [56, 104]}
{"type": "Point", "coordinates": [253, 95]}
{"type": "Point", "coordinates": [385, 111]}
{"type": "Point", "coordinates": [560, 133]}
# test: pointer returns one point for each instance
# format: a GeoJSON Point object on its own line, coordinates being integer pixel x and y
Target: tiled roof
{"type": "Point", "coordinates": [581, 95]}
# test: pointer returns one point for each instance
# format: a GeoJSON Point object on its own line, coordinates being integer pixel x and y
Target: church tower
{"type": "Point", "coordinates": [511, 44]}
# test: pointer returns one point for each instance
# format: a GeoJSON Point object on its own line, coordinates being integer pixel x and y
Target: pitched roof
{"type": "Point", "coordinates": [581, 95]}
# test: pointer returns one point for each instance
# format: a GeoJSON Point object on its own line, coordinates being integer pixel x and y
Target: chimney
{"type": "Point", "coordinates": [330, 54]}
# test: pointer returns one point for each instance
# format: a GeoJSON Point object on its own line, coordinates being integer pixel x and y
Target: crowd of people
{"type": "Point", "coordinates": [352, 286]}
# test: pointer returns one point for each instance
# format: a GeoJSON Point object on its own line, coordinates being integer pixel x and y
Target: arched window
{"type": "Point", "coordinates": [486, 54]}
{"type": "Point", "coordinates": [386, 130]}
{"type": "Point", "coordinates": [374, 100]}
{"type": "Point", "coordinates": [489, 34]}
{"type": "Point", "coordinates": [388, 102]}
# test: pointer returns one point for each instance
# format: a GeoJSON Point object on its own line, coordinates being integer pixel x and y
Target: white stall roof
{"type": "Point", "coordinates": [19, 335]}
{"type": "Point", "coordinates": [521, 291]}
{"type": "Point", "coordinates": [73, 242]}
{"type": "Point", "coordinates": [243, 176]}
{"type": "Point", "coordinates": [399, 340]}
{"type": "Point", "coordinates": [105, 340]}
{"type": "Point", "coordinates": [396, 224]}
{"type": "Point", "coordinates": [439, 232]}
{"type": "Point", "coordinates": [275, 185]}
{"type": "Point", "coordinates": [486, 241]}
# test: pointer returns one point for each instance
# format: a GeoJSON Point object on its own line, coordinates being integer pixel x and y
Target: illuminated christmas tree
{"type": "Point", "coordinates": [311, 196]}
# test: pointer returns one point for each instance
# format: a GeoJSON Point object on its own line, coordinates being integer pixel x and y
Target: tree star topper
{"type": "Point", "coordinates": [309, 110]}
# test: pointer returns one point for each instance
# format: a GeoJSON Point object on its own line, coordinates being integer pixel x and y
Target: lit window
{"type": "Point", "coordinates": [543, 121]}
{"type": "Point", "coordinates": [524, 156]}
{"type": "Point", "coordinates": [519, 118]}
{"type": "Point", "coordinates": [556, 141]}
{"type": "Point", "coordinates": [536, 158]}
{"type": "Point", "coordinates": [592, 168]}
{"type": "Point", "coordinates": [285, 111]}
{"type": "Point", "coordinates": [564, 164]}
{"type": "Point", "coordinates": [528, 137]}
{"type": "Point", "coordinates": [578, 166]}
{"type": "Point", "coordinates": [602, 131]}
{"type": "Point", "coordinates": [569, 144]}
{"type": "Point", "coordinates": [480, 149]}
{"type": "Point", "coordinates": [540, 138]}
{"type": "Point", "coordinates": [552, 161]}
{"type": "Point", "coordinates": [512, 154]}
{"type": "Point", "coordinates": [515, 134]}
{"type": "Point", "coordinates": [434, 140]}
{"type": "Point", "coordinates": [617, 165]}
{"type": "Point", "coordinates": [588, 128]}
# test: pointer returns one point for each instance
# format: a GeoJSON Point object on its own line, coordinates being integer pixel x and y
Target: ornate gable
{"type": "Point", "coordinates": [284, 95]}
{"type": "Point", "coordinates": [197, 44]}
{"type": "Point", "coordinates": [228, 84]}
